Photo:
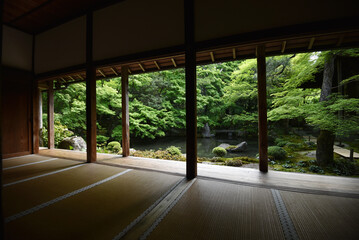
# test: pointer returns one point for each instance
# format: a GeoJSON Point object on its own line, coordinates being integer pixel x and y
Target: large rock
{"type": "Point", "coordinates": [76, 143]}
{"type": "Point", "coordinates": [235, 148]}
{"type": "Point", "coordinates": [238, 148]}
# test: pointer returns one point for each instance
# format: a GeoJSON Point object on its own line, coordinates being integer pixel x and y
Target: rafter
{"type": "Point", "coordinates": [81, 78]}
{"type": "Point", "coordinates": [212, 56]}
{"type": "Point", "coordinates": [114, 71]}
{"type": "Point", "coordinates": [158, 67]}
{"type": "Point", "coordinates": [143, 69]}
{"type": "Point", "coordinates": [311, 43]}
{"type": "Point", "coordinates": [284, 44]}
{"type": "Point", "coordinates": [174, 62]}
{"type": "Point", "coordinates": [101, 72]}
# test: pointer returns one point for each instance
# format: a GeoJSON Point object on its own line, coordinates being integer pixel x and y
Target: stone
{"type": "Point", "coordinates": [77, 143]}
{"type": "Point", "coordinates": [206, 133]}
{"type": "Point", "coordinates": [224, 145]}
{"type": "Point", "coordinates": [238, 148]}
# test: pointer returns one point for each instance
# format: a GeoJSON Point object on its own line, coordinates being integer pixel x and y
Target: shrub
{"type": "Point", "coordinates": [219, 151]}
{"type": "Point", "coordinates": [280, 142]}
{"type": "Point", "coordinates": [234, 163]}
{"type": "Point", "coordinates": [344, 167]}
{"type": "Point", "coordinates": [277, 153]}
{"type": "Point", "coordinates": [303, 163]}
{"type": "Point", "coordinates": [316, 169]}
{"type": "Point", "coordinates": [294, 145]}
{"type": "Point", "coordinates": [114, 146]}
{"type": "Point", "coordinates": [174, 150]}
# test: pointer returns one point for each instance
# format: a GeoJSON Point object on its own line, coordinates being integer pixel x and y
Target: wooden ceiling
{"type": "Point", "coordinates": [244, 51]}
{"type": "Point", "coordinates": [35, 16]}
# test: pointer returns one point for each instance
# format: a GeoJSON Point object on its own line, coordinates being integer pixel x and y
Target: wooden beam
{"type": "Point", "coordinates": [114, 71]}
{"type": "Point", "coordinates": [311, 42]}
{"type": "Point", "coordinates": [50, 116]}
{"type": "Point", "coordinates": [262, 109]}
{"type": "Point", "coordinates": [174, 62]}
{"type": "Point", "coordinates": [284, 44]}
{"type": "Point", "coordinates": [140, 67]}
{"type": "Point", "coordinates": [234, 53]}
{"type": "Point", "coordinates": [90, 92]}
{"type": "Point", "coordinates": [212, 56]}
{"type": "Point", "coordinates": [191, 91]}
{"type": "Point", "coordinates": [158, 67]}
{"type": "Point", "coordinates": [101, 72]}
{"type": "Point", "coordinates": [125, 113]}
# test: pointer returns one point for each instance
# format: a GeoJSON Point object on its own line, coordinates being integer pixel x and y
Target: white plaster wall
{"type": "Point", "coordinates": [61, 47]}
{"type": "Point", "coordinates": [215, 19]}
{"type": "Point", "coordinates": [17, 49]}
{"type": "Point", "coordinates": [136, 26]}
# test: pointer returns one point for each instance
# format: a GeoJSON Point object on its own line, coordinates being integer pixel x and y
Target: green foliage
{"type": "Point", "coordinates": [114, 146]}
{"type": "Point", "coordinates": [61, 132]}
{"type": "Point", "coordinates": [234, 162]}
{"type": "Point", "coordinates": [316, 169]}
{"type": "Point", "coordinates": [174, 150]}
{"type": "Point", "coordinates": [276, 153]}
{"type": "Point", "coordinates": [160, 154]}
{"type": "Point", "coordinates": [219, 151]}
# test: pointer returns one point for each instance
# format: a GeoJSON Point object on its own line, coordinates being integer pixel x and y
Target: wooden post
{"type": "Point", "coordinates": [262, 109]}
{"type": "Point", "coordinates": [191, 91]}
{"type": "Point", "coordinates": [36, 94]}
{"type": "Point", "coordinates": [90, 92]}
{"type": "Point", "coordinates": [125, 113]}
{"type": "Point", "coordinates": [50, 116]}
{"type": "Point", "coordinates": [2, 228]}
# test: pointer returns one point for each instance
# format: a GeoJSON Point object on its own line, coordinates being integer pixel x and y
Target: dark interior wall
{"type": "Point", "coordinates": [16, 105]}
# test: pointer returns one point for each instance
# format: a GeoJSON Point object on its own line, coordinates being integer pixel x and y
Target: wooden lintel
{"type": "Point", "coordinates": [50, 116]}
{"type": "Point", "coordinates": [158, 67]}
{"type": "Point", "coordinates": [340, 40]}
{"type": "Point", "coordinates": [212, 56]}
{"type": "Point", "coordinates": [79, 76]}
{"type": "Point", "coordinates": [142, 67]}
{"type": "Point", "coordinates": [262, 109]}
{"type": "Point", "coordinates": [174, 62]}
{"type": "Point", "coordinates": [234, 53]}
{"type": "Point", "coordinates": [125, 113]}
{"type": "Point", "coordinates": [311, 42]}
{"type": "Point", "coordinates": [284, 44]}
{"type": "Point", "coordinates": [114, 71]}
{"type": "Point", "coordinates": [101, 72]}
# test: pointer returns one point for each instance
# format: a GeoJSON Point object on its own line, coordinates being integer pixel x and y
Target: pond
{"type": "Point", "coordinates": [204, 145]}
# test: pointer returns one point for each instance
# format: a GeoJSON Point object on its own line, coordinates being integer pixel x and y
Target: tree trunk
{"type": "Point", "coordinates": [325, 142]}
{"type": "Point", "coordinates": [326, 138]}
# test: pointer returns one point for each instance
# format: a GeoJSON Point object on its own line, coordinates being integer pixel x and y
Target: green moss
{"type": "Point", "coordinates": [174, 150]}
{"type": "Point", "coordinates": [219, 151]}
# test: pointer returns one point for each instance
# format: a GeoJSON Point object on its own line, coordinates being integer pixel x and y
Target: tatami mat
{"type": "Point", "coordinates": [323, 217]}
{"type": "Point", "coordinates": [98, 213]}
{"type": "Point", "coordinates": [11, 162]}
{"type": "Point", "coordinates": [216, 210]}
{"type": "Point", "coordinates": [16, 174]}
{"type": "Point", "coordinates": [22, 196]}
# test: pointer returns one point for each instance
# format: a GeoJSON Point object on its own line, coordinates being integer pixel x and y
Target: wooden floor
{"type": "Point", "coordinates": [50, 197]}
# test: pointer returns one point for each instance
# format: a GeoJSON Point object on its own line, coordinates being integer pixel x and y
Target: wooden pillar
{"type": "Point", "coordinates": [50, 115]}
{"type": "Point", "coordinates": [262, 109]}
{"type": "Point", "coordinates": [125, 113]}
{"type": "Point", "coordinates": [2, 228]}
{"type": "Point", "coordinates": [36, 94]}
{"type": "Point", "coordinates": [90, 92]}
{"type": "Point", "coordinates": [191, 91]}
